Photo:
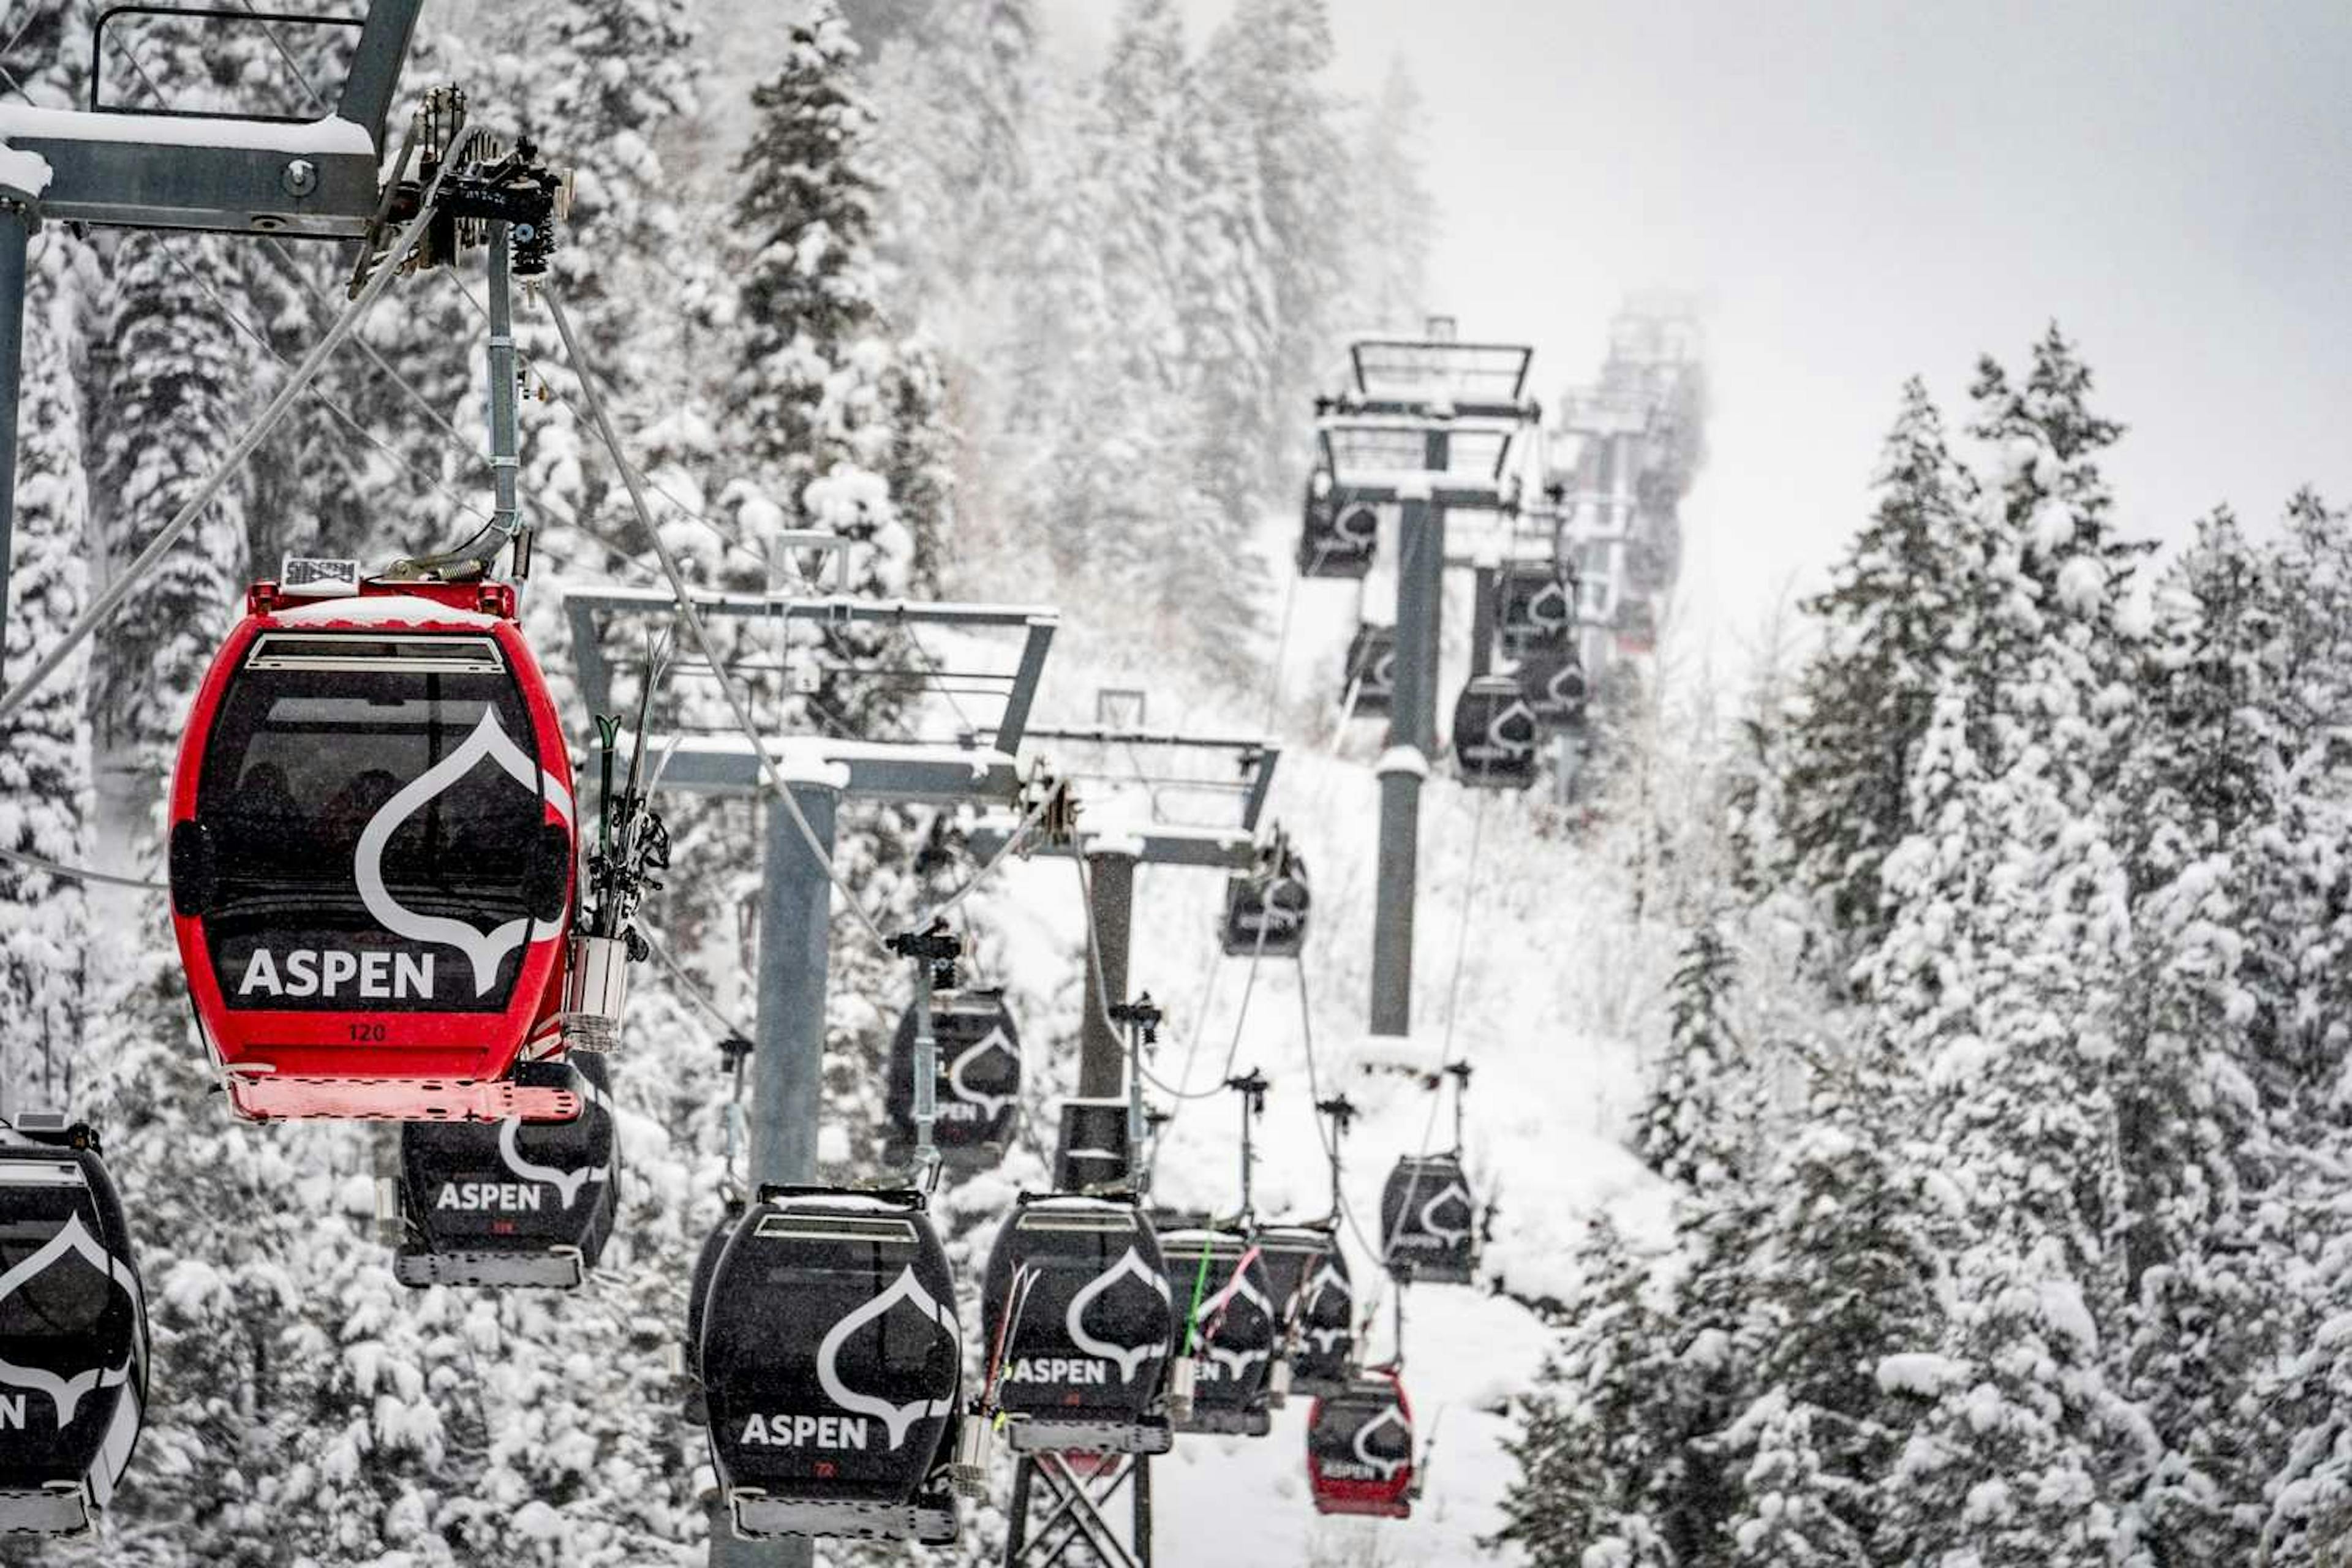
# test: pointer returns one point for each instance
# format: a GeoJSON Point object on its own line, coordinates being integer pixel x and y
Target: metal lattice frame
{"type": "Point", "coordinates": [1077, 1525]}
{"type": "Point", "coordinates": [951, 770]}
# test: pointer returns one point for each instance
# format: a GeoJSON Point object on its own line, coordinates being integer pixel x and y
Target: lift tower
{"type": "Point", "coordinates": [1059, 1507]}
{"type": "Point", "coordinates": [1426, 424]}
{"type": "Point", "coordinates": [257, 176]}
{"type": "Point", "coordinates": [823, 772]}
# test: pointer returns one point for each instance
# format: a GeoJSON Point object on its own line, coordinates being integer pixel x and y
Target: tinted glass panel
{"type": "Point", "coordinates": [71, 1300]}
{"type": "Point", "coordinates": [300, 764]}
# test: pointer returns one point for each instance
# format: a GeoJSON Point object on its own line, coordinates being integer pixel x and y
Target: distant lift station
{"type": "Point", "coordinates": [1426, 426]}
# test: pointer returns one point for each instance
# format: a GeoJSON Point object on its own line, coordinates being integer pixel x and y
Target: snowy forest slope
{"type": "Point", "coordinates": [1913, 1090]}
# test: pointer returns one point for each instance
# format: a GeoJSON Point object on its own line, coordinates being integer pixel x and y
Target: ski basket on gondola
{"type": "Point", "coordinates": [979, 1092]}
{"type": "Point", "coordinates": [1267, 908]}
{"type": "Point", "coordinates": [1225, 1323]}
{"type": "Point", "coordinates": [1430, 1220]}
{"type": "Point", "coordinates": [512, 1203]}
{"type": "Point", "coordinates": [1315, 1302]}
{"type": "Point", "coordinates": [371, 856]}
{"type": "Point", "coordinates": [832, 1368]}
{"type": "Point", "coordinates": [1338, 535]}
{"type": "Point", "coordinates": [73, 1329]}
{"type": "Point", "coordinates": [1370, 679]}
{"type": "Point", "coordinates": [1077, 1320]}
{"type": "Point", "coordinates": [1495, 734]}
{"type": "Point", "coordinates": [1359, 1458]}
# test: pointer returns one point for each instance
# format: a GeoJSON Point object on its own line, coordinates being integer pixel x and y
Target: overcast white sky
{"type": "Point", "coordinates": [1862, 191]}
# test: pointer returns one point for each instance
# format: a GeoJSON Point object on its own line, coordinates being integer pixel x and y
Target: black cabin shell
{"type": "Point", "coordinates": [1430, 1220]}
{"type": "Point", "coordinates": [830, 1355]}
{"type": "Point", "coordinates": [1085, 1291]}
{"type": "Point", "coordinates": [73, 1332]}
{"type": "Point", "coordinates": [512, 1202]}
{"type": "Point", "coordinates": [979, 1068]}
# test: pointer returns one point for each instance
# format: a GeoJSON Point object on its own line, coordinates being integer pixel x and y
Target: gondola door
{"type": "Point", "coordinates": [1306, 1274]}
{"type": "Point", "coordinates": [979, 1097]}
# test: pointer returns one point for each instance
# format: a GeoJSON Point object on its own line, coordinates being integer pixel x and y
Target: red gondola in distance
{"type": "Point", "coordinates": [371, 856]}
{"type": "Point", "coordinates": [1359, 1458]}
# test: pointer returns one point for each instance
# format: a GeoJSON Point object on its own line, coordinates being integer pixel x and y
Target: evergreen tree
{"type": "Point", "coordinates": [1602, 1442]}
{"type": "Point", "coordinates": [2000, 974]}
{"type": "Point", "coordinates": [1698, 1130]}
{"type": "Point", "coordinates": [819, 415]}
{"type": "Point", "coordinates": [1262, 74]}
{"type": "Point", "coordinates": [172, 392]}
{"type": "Point", "coordinates": [1795, 1513]}
{"type": "Point", "coordinates": [174, 388]}
{"type": "Point", "coordinates": [1847, 1281]}
{"type": "Point", "coordinates": [44, 749]}
{"type": "Point", "coordinates": [1389, 203]}
{"type": "Point", "coordinates": [2194, 790]}
{"type": "Point", "coordinates": [1892, 621]}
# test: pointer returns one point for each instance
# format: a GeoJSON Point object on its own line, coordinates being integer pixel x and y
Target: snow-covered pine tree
{"type": "Point", "coordinates": [958, 93]}
{"type": "Point", "coordinates": [42, 51]}
{"type": "Point", "coordinates": [171, 390]}
{"type": "Point", "coordinates": [1264, 70]}
{"type": "Point", "coordinates": [173, 385]}
{"type": "Point", "coordinates": [2000, 974]}
{"type": "Point", "coordinates": [1888, 625]}
{"type": "Point", "coordinates": [2289, 883]}
{"type": "Point", "coordinates": [824, 400]}
{"type": "Point", "coordinates": [1623, 1449]}
{"type": "Point", "coordinates": [44, 750]}
{"type": "Point", "coordinates": [1846, 1281]}
{"type": "Point", "coordinates": [1602, 1443]}
{"type": "Point", "coordinates": [2299, 937]}
{"type": "Point", "coordinates": [1698, 1129]}
{"type": "Point", "coordinates": [1389, 200]}
{"type": "Point", "coordinates": [1154, 528]}
{"type": "Point", "coordinates": [1795, 1511]}
{"type": "Point", "coordinates": [2196, 805]}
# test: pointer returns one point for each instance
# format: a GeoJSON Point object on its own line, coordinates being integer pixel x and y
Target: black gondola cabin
{"type": "Point", "coordinates": [1428, 1220]}
{"type": "Point", "coordinates": [1338, 535]}
{"type": "Point", "coordinates": [1535, 606]}
{"type": "Point", "coordinates": [73, 1330]}
{"type": "Point", "coordinates": [832, 1368]}
{"type": "Point", "coordinates": [1225, 1322]}
{"type": "Point", "coordinates": [1552, 684]}
{"type": "Point", "coordinates": [1315, 1302]}
{"type": "Point", "coordinates": [1359, 1458]}
{"type": "Point", "coordinates": [1078, 1325]}
{"type": "Point", "coordinates": [979, 1094]}
{"type": "Point", "coordinates": [512, 1203]}
{"type": "Point", "coordinates": [1267, 908]}
{"type": "Point", "coordinates": [1495, 734]}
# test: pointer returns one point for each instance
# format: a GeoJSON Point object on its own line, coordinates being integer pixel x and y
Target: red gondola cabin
{"type": "Point", "coordinates": [371, 856]}
{"type": "Point", "coordinates": [1359, 1449]}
